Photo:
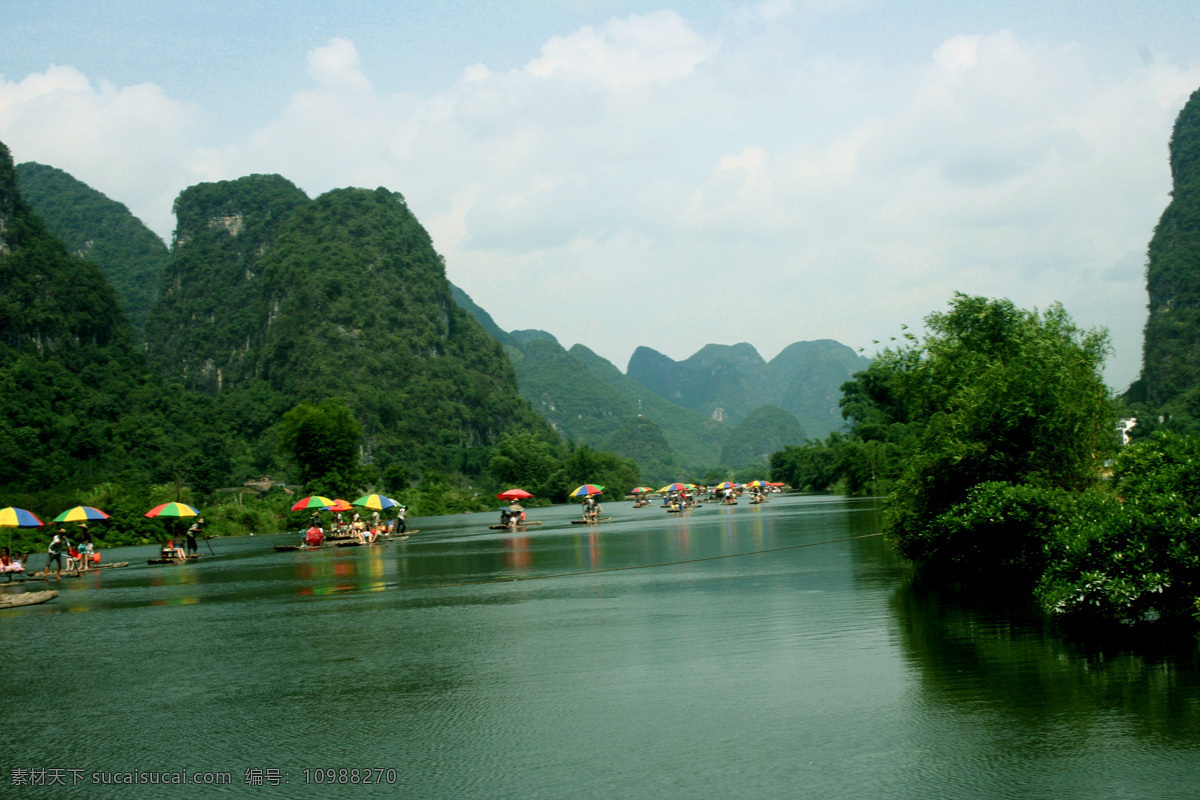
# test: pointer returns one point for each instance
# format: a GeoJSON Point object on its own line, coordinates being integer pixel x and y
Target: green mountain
{"type": "Point", "coordinates": [272, 299]}
{"type": "Point", "coordinates": [695, 440]}
{"type": "Point", "coordinates": [103, 231]}
{"type": "Point", "coordinates": [676, 420]}
{"type": "Point", "coordinates": [764, 431]}
{"type": "Point", "coordinates": [208, 320]}
{"type": "Point", "coordinates": [728, 382]}
{"type": "Point", "coordinates": [77, 402]}
{"type": "Point", "coordinates": [1172, 334]}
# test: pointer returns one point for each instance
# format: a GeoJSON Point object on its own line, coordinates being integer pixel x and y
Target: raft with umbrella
{"type": "Point", "coordinates": [172, 510]}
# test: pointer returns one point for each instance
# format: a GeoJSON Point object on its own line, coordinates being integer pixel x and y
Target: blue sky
{"type": "Point", "coordinates": [660, 174]}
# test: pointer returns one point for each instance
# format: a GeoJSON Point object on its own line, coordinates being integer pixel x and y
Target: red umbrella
{"type": "Point", "coordinates": [514, 494]}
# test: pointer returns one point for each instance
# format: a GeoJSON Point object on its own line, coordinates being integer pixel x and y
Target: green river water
{"type": "Point", "coordinates": [629, 659]}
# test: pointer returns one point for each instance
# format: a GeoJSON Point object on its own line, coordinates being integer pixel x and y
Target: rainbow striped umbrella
{"type": "Point", "coordinates": [726, 485]}
{"type": "Point", "coordinates": [641, 490]}
{"type": "Point", "coordinates": [313, 501]}
{"type": "Point", "coordinates": [674, 487]}
{"type": "Point", "coordinates": [173, 510]}
{"type": "Point", "coordinates": [81, 514]}
{"type": "Point", "coordinates": [375, 502]}
{"type": "Point", "coordinates": [756, 483]}
{"type": "Point", "coordinates": [586, 490]}
{"type": "Point", "coordinates": [18, 518]}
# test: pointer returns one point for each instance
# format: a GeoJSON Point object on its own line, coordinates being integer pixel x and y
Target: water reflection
{"type": "Point", "coordinates": [748, 651]}
{"type": "Point", "coordinates": [1003, 653]}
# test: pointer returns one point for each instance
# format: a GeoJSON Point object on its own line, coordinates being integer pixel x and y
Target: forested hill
{"type": "Point", "coordinates": [77, 403]}
{"type": "Point", "coordinates": [209, 315]}
{"type": "Point", "coordinates": [1172, 335]}
{"type": "Point", "coordinates": [50, 301]}
{"type": "Point", "coordinates": [101, 230]}
{"type": "Point", "coordinates": [272, 299]}
{"type": "Point", "coordinates": [728, 382]}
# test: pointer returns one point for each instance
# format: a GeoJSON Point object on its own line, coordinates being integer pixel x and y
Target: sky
{"type": "Point", "coordinates": [666, 174]}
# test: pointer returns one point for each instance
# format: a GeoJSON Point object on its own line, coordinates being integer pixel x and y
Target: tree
{"type": "Point", "coordinates": [323, 440]}
{"type": "Point", "coordinates": [1001, 395]}
{"type": "Point", "coordinates": [1132, 554]}
{"type": "Point", "coordinates": [524, 460]}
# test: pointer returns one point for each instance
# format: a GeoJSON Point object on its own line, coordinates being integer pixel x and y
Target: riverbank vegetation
{"type": "Point", "coordinates": [994, 437]}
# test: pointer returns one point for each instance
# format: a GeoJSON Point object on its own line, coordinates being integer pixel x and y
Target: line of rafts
{"type": "Point", "coordinates": [356, 534]}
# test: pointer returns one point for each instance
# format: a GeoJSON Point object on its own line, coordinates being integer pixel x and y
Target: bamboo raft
{"type": "Point", "coordinates": [27, 598]}
{"type": "Point", "coordinates": [172, 560]}
{"type": "Point", "coordinates": [590, 521]}
{"type": "Point", "coordinates": [514, 527]}
{"type": "Point", "coordinates": [41, 576]}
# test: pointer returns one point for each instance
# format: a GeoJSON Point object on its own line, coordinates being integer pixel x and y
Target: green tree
{"type": "Point", "coordinates": [1133, 553]}
{"type": "Point", "coordinates": [1001, 394]}
{"type": "Point", "coordinates": [323, 441]}
{"type": "Point", "coordinates": [525, 461]}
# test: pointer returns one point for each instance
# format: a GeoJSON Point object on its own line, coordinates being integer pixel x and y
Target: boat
{"type": "Point", "coordinates": [41, 576]}
{"type": "Point", "coordinates": [288, 548]}
{"type": "Point", "coordinates": [590, 521]}
{"type": "Point", "coordinates": [360, 544]}
{"type": "Point", "coordinates": [117, 565]}
{"type": "Point", "coordinates": [171, 560]}
{"type": "Point", "coordinates": [27, 598]}
{"type": "Point", "coordinates": [514, 527]}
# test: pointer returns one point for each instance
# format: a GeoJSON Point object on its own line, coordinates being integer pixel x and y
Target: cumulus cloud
{"type": "Point", "coordinates": [121, 141]}
{"type": "Point", "coordinates": [714, 188]}
{"type": "Point", "coordinates": [622, 53]}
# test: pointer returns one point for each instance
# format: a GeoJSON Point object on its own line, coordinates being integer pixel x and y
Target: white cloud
{"type": "Point", "coordinates": [336, 66]}
{"type": "Point", "coordinates": [652, 48]}
{"type": "Point", "coordinates": [712, 189]}
{"type": "Point", "coordinates": [133, 143]}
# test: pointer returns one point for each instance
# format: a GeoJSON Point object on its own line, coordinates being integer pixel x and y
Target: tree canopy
{"type": "Point", "coordinates": [1000, 394]}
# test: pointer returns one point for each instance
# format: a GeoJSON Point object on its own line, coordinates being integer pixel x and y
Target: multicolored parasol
{"type": "Point", "coordinates": [81, 514]}
{"type": "Point", "coordinates": [315, 502]}
{"type": "Point", "coordinates": [586, 490]}
{"type": "Point", "coordinates": [375, 502]}
{"type": "Point", "coordinates": [18, 518]}
{"type": "Point", "coordinates": [173, 510]}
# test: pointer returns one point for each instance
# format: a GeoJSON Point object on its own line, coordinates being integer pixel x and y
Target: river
{"type": "Point", "coordinates": [773, 651]}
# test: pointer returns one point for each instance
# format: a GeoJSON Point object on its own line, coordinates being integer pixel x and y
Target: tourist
{"type": "Point", "coordinates": [314, 536]}
{"type": "Point", "coordinates": [195, 530]}
{"type": "Point", "coordinates": [170, 551]}
{"type": "Point", "coordinates": [9, 566]}
{"type": "Point", "coordinates": [86, 548]}
{"type": "Point", "coordinates": [58, 545]}
{"type": "Point", "coordinates": [401, 519]}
